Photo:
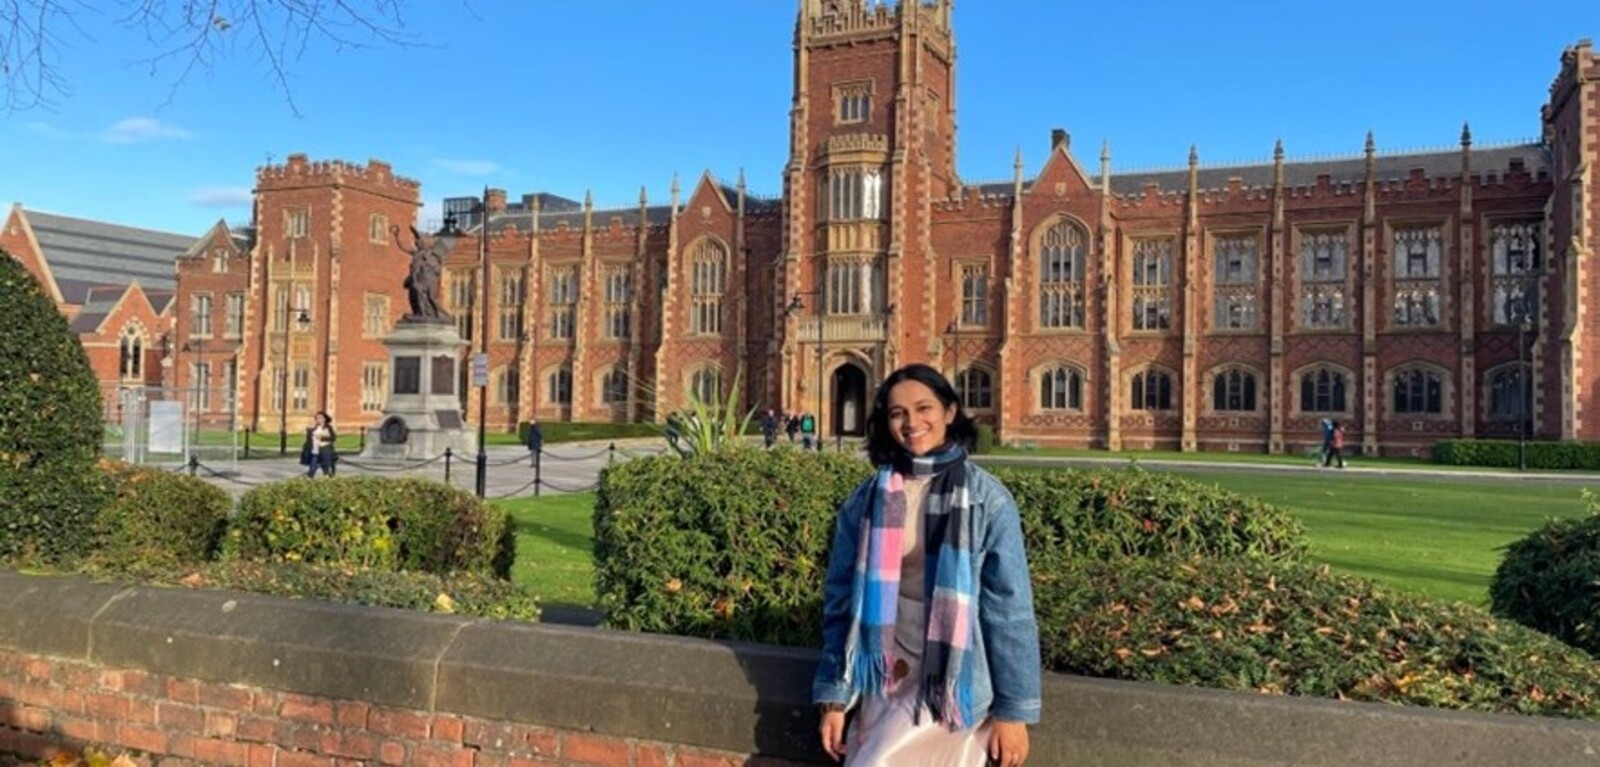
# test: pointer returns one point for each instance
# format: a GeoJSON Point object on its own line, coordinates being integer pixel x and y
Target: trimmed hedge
{"type": "Point", "coordinates": [158, 517]}
{"type": "Point", "coordinates": [50, 427]}
{"type": "Point", "coordinates": [411, 525]}
{"type": "Point", "coordinates": [730, 544]}
{"type": "Point", "coordinates": [1503, 454]}
{"type": "Point", "coordinates": [1068, 516]}
{"type": "Point", "coordinates": [1547, 580]}
{"type": "Point", "coordinates": [1291, 629]}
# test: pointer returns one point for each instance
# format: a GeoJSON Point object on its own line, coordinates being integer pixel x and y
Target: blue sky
{"type": "Point", "coordinates": [612, 95]}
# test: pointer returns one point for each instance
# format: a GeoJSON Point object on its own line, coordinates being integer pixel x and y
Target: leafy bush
{"type": "Point", "coordinates": [986, 440]}
{"type": "Point", "coordinates": [1068, 516]}
{"type": "Point", "coordinates": [460, 593]}
{"type": "Point", "coordinates": [1547, 580]}
{"type": "Point", "coordinates": [50, 429]}
{"type": "Point", "coordinates": [159, 517]}
{"type": "Point", "coordinates": [727, 544]}
{"type": "Point", "coordinates": [412, 525]}
{"type": "Point", "coordinates": [1503, 454]}
{"type": "Point", "coordinates": [1277, 628]}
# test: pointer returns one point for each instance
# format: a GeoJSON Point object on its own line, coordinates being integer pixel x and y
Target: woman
{"type": "Point", "coordinates": [928, 626]}
{"type": "Point", "coordinates": [319, 445]}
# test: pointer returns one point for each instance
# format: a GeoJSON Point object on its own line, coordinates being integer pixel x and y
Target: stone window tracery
{"type": "Point", "coordinates": [855, 193]}
{"type": "Point", "coordinates": [614, 387]}
{"type": "Point", "coordinates": [1510, 392]}
{"type": "Point", "coordinates": [618, 299]}
{"type": "Point", "coordinates": [975, 388]}
{"type": "Point", "coordinates": [1233, 391]}
{"type": "Point", "coordinates": [852, 102]}
{"type": "Point", "coordinates": [1152, 284]}
{"type": "Point", "coordinates": [974, 295]}
{"type": "Point", "coordinates": [1514, 272]}
{"type": "Point", "coordinates": [1323, 390]}
{"type": "Point", "coordinates": [1151, 389]}
{"type": "Point", "coordinates": [1061, 388]}
{"type": "Point", "coordinates": [705, 385]}
{"type": "Point", "coordinates": [1418, 255]}
{"type": "Point", "coordinates": [563, 309]}
{"type": "Point", "coordinates": [708, 283]}
{"type": "Point", "coordinates": [1418, 391]}
{"type": "Point", "coordinates": [1061, 260]}
{"type": "Point", "coordinates": [1323, 269]}
{"type": "Point", "coordinates": [560, 387]}
{"type": "Point", "coordinates": [1234, 281]}
{"type": "Point", "coordinates": [512, 293]}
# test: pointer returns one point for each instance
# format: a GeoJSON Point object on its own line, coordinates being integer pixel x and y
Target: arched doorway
{"type": "Point", "coordinates": [849, 416]}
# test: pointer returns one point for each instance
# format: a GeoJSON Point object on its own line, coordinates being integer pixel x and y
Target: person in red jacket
{"type": "Point", "coordinates": [1338, 444]}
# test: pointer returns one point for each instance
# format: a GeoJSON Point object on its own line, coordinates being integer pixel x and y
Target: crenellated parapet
{"type": "Point", "coordinates": [376, 177]}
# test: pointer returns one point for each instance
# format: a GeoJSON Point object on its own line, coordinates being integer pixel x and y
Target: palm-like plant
{"type": "Point", "coordinates": [708, 427]}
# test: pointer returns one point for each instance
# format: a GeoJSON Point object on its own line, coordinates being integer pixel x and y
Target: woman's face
{"type": "Point", "coordinates": [918, 420]}
{"type": "Point", "coordinates": [320, 419]}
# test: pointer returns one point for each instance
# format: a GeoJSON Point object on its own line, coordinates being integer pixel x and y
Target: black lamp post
{"type": "Point", "coordinates": [482, 478]}
{"type": "Point", "coordinates": [795, 305]}
{"type": "Point", "coordinates": [1524, 324]}
{"type": "Point", "coordinates": [303, 321]}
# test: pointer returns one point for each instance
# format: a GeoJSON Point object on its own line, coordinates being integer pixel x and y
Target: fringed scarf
{"type": "Point", "coordinates": [952, 611]}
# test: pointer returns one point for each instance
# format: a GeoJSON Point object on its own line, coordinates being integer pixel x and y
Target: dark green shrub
{"type": "Point", "coordinates": [1550, 580]}
{"type": "Point", "coordinates": [159, 517]}
{"type": "Point", "coordinates": [460, 593]}
{"type": "Point", "coordinates": [985, 442]}
{"type": "Point", "coordinates": [1503, 454]}
{"type": "Point", "coordinates": [412, 525]}
{"type": "Point", "coordinates": [1068, 516]}
{"type": "Point", "coordinates": [729, 544]}
{"type": "Point", "coordinates": [1290, 629]}
{"type": "Point", "coordinates": [50, 428]}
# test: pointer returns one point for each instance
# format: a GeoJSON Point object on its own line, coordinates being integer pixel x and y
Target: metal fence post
{"type": "Point", "coordinates": [194, 464]}
{"type": "Point", "coordinates": [247, 442]}
{"type": "Point", "coordinates": [611, 454]}
{"type": "Point", "coordinates": [447, 453]}
{"type": "Point", "coordinates": [538, 453]}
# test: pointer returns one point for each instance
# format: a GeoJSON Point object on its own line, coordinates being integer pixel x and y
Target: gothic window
{"type": "Point", "coordinates": [1322, 278]}
{"type": "Point", "coordinates": [1061, 259]}
{"type": "Point", "coordinates": [1418, 254]}
{"type": "Point", "coordinates": [1061, 388]}
{"type": "Point", "coordinates": [1418, 391]}
{"type": "Point", "coordinates": [1152, 284]}
{"type": "Point", "coordinates": [1510, 393]}
{"type": "Point", "coordinates": [200, 315]}
{"type": "Point", "coordinates": [560, 385]}
{"type": "Point", "coordinates": [708, 284]}
{"type": "Point", "coordinates": [302, 305]}
{"type": "Point", "coordinates": [219, 261]}
{"type": "Point", "coordinates": [233, 322]}
{"type": "Point", "coordinates": [378, 229]}
{"type": "Point", "coordinates": [1322, 390]}
{"type": "Point", "coordinates": [375, 316]}
{"type": "Point", "coordinates": [200, 380]}
{"type": "Point", "coordinates": [1514, 269]}
{"type": "Point", "coordinates": [614, 387]}
{"type": "Point", "coordinates": [296, 223]}
{"type": "Point", "coordinates": [507, 386]}
{"type": "Point", "coordinates": [563, 308]}
{"type": "Point", "coordinates": [512, 293]}
{"type": "Point", "coordinates": [230, 384]}
{"type": "Point", "coordinates": [373, 386]}
{"type": "Point", "coordinates": [975, 388]}
{"type": "Point", "coordinates": [618, 287]}
{"type": "Point", "coordinates": [855, 194]}
{"type": "Point", "coordinates": [706, 385]}
{"type": "Point", "coordinates": [280, 309]}
{"type": "Point", "coordinates": [1235, 281]}
{"type": "Point", "coordinates": [852, 102]}
{"type": "Point", "coordinates": [463, 297]}
{"type": "Point", "coordinates": [302, 388]}
{"type": "Point", "coordinates": [1234, 391]}
{"type": "Point", "coordinates": [974, 295]}
{"type": "Point", "coordinates": [1152, 390]}
{"type": "Point", "coordinates": [130, 355]}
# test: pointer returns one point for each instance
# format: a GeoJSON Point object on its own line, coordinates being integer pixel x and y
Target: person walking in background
{"type": "Point", "coordinates": [1327, 442]}
{"type": "Point", "coordinates": [791, 426]}
{"type": "Point", "coordinates": [535, 437]}
{"type": "Point", "coordinates": [769, 427]}
{"type": "Point", "coordinates": [928, 626]}
{"type": "Point", "coordinates": [318, 452]}
{"type": "Point", "coordinates": [1336, 444]}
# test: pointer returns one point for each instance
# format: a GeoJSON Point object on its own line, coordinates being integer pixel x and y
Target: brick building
{"type": "Point", "coordinates": [1412, 296]}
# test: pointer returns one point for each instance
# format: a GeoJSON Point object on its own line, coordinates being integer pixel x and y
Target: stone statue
{"type": "Point", "coordinates": [422, 281]}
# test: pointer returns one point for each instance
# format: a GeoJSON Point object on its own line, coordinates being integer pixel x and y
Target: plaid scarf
{"type": "Point", "coordinates": [946, 657]}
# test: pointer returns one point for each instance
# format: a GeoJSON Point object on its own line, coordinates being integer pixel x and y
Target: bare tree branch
{"type": "Point", "coordinates": [191, 35]}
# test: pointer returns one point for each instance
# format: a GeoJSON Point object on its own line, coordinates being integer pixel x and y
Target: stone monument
{"type": "Point", "coordinates": [422, 416]}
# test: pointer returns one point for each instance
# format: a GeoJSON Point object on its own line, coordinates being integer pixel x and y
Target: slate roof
{"type": "Point", "coordinates": [83, 254]}
{"type": "Point", "coordinates": [1444, 163]}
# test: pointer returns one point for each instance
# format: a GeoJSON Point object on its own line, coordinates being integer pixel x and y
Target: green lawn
{"type": "Point", "coordinates": [1440, 537]}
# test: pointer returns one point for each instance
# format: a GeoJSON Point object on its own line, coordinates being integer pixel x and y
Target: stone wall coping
{"type": "Point", "coordinates": [727, 696]}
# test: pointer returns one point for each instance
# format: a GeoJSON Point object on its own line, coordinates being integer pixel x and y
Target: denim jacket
{"type": "Point", "coordinates": [1006, 675]}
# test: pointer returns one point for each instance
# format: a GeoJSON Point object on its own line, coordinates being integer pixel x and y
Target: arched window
{"type": "Point", "coordinates": [1152, 390]}
{"type": "Point", "coordinates": [706, 385]}
{"type": "Point", "coordinates": [507, 386]}
{"type": "Point", "coordinates": [614, 388]}
{"type": "Point", "coordinates": [976, 388]}
{"type": "Point", "coordinates": [1061, 388]}
{"type": "Point", "coordinates": [1510, 393]}
{"type": "Point", "coordinates": [561, 387]}
{"type": "Point", "coordinates": [1418, 391]}
{"type": "Point", "coordinates": [1061, 275]}
{"type": "Point", "coordinates": [1322, 390]}
{"type": "Point", "coordinates": [131, 355]}
{"type": "Point", "coordinates": [1233, 390]}
{"type": "Point", "coordinates": [707, 285]}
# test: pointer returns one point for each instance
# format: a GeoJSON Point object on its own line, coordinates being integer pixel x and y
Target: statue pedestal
{"type": "Point", "coordinates": [423, 414]}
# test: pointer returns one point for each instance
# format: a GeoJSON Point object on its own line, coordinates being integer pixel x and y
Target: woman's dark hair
{"type": "Point", "coordinates": [881, 445]}
{"type": "Point", "coordinates": [328, 419]}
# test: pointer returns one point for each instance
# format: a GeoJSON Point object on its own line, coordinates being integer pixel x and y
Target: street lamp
{"type": "Point", "coordinates": [196, 346]}
{"type": "Point", "coordinates": [795, 305]}
{"type": "Point", "coordinates": [303, 322]}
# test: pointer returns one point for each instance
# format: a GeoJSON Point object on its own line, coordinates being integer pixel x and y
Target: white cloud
{"type": "Point", "coordinates": [221, 196]}
{"type": "Point", "coordinates": [469, 167]}
{"type": "Point", "coordinates": [138, 130]}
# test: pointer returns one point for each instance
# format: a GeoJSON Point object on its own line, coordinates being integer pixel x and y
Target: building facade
{"type": "Point", "coordinates": [1413, 297]}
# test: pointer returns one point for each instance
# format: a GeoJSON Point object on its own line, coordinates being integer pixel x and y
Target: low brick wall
{"type": "Point", "coordinates": [206, 677]}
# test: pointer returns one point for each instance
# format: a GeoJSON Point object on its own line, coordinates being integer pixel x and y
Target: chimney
{"type": "Point", "coordinates": [496, 201]}
{"type": "Point", "coordinates": [1060, 139]}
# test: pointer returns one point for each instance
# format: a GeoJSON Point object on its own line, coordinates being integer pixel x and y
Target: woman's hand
{"type": "Point", "coordinates": [832, 729]}
{"type": "Point", "coordinates": [1008, 744]}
